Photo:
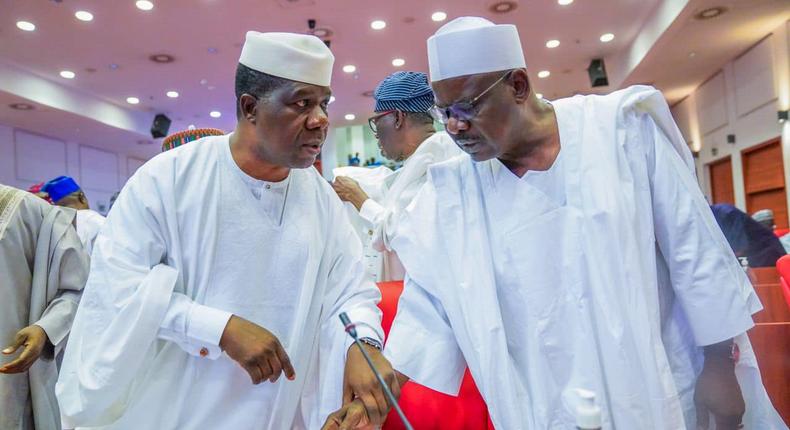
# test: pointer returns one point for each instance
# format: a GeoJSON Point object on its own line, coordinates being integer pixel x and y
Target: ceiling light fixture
{"type": "Point", "coordinates": [144, 5]}
{"type": "Point", "coordinates": [378, 24]}
{"type": "Point", "coordinates": [161, 58]}
{"type": "Point", "coordinates": [172, 94]}
{"type": "Point", "coordinates": [439, 16]}
{"type": "Point", "coordinates": [132, 100]}
{"type": "Point", "coordinates": [215, 114]}
{"type": "Point", "coordinates": [21, 106]}
{"type": "Point", "coordinates": [398, 62]}
{"type": "Point", "coordinates": [67, 74]}
{"type": "Point", "coordinates": [83, 15]}
{"type": "Point", "coordinates": [544, 74]}
{"type": "Point", "coordinates": [564, 2]}
{"type": "Point", "coordinates": [349, 68]}
{"type": "Point", "coordinates": [553, 43]}
{"type": "Point", "coordinates": [25, 25]}
{"type": "Point", "coordinates": [503, 6]}
{"type": "Point", "coordinates": [607, 37]}
{"type": "Point", "coordinates": [350, 117]}
{"type": "Point", "coordinates": [710, 13]}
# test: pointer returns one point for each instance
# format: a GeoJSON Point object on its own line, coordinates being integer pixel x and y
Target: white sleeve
{"type": "Point", "coordinates": [196, 328]}
{"type": "Point", "coordinates": [421, 343]}
{"type": "Point", "coordinates": [349, 289]}
{"type": "Point", "coordinates": [371, 211]}
{"type": "Point", "coordinates": [709, 283]}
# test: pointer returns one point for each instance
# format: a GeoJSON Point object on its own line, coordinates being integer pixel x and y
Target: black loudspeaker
{"type": "Point", "coordinates": [597, 72]}
{"type": "Point", "coordinates": [160, 126]}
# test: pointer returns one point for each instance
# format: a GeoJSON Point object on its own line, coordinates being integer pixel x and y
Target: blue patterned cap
{"type": "Point", "coordinates": [404, 91]}
{"type": "Point", "coordinates": [60, 187]}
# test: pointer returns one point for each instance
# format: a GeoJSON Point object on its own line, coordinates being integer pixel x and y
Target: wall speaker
{"type": "Point", "coordinates": [160, 126]}
{"type": "Point", "coordinates": [597, 72]}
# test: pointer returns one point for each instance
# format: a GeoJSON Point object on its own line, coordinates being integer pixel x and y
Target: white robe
{"type": "Point", "coordinates": [89, 224]}
{"type": "Point", "coordinates": [190, 240]}
{"type": "Point", "coordinates": [372, 181]}
{"type": "Point", "coordinates": [608, 282]}
{"type": "Point", "coordinates": [400, 188]}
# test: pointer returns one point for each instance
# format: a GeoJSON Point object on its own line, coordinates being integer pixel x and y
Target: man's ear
{"type": "Point", "coordinates": [519, 82]}
{"type": "Point", "coordinates": [400, 119]}
{"type": "Point", "coordinates": [248, 106]}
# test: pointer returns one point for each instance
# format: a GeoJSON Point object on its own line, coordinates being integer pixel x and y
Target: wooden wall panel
{"type": "Point", "coordinates": [721, 181]}
{"type": "Point", "coordinates": [764, 183]}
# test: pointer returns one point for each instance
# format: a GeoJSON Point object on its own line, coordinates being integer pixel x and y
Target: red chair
{"type": "Point", "coordinates": [783, 267]}
{"type": "Point", "coordinates": [779, 232]}
{"type": "Point", "coordinates": [428, 409]}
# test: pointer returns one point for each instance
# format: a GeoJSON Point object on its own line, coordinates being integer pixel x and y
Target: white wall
{"type": "Point", "coordinates": [741, 99]}
{"type": "Point", "coordinates": [27, 158]}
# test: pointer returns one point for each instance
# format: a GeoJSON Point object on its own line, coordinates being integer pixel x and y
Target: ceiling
{"type": "Point", "coordinates": [205, 37]}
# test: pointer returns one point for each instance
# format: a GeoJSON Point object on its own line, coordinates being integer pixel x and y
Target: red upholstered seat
{"type": "Point", "coordinates": [779, 232]}
{"type": "Point", "coordinates": [783, 267]}
{"type": "Point", "coordinates": [428, 409]}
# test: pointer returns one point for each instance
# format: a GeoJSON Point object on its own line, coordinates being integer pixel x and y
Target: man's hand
{"type": "Point", "coordinates": [34, 339]}
{"type": "Point", "coordinates": [717, 390]}
{"type": "Point", "coordinates": [359, 382]}
{"type": "Point", "coordinates": [349, 191]}
{"type": "Point", "coordinates": [349, 417]}
{"type": "Point", "coordinates": [257, 350]}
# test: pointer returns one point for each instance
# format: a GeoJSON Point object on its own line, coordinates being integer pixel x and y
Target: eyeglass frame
{"type": "Point", "coordinates": [443, 114]}
{"type": "Point", "coordinates": [372, 120]}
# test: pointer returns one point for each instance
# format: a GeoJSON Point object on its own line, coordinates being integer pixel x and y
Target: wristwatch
{"type": "Point", "coordinates": [372, 342]}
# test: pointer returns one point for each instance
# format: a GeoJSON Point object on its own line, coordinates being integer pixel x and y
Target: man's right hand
{"type": "Point", "coordinates": [351, 416]}
{"type": "Point", "coordinates": [256, 349]}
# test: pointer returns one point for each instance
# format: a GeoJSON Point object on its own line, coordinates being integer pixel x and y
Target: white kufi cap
{"type": "Point", "coordinates": [297, 57]}
{"type": "Point", "coordinates": [472, 45]}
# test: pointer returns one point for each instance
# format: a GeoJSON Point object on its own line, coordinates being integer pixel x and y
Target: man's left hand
{"type": "Point", "coordinates": [359, 382]}
{"type": "Point", "coordinates": [32, 339]}
{"type": "Point", "coordinates": [349, 191]}
{"type": "Point", "coordinates": [717, 391]}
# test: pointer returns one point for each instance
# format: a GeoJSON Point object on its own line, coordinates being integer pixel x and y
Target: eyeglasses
{"type": "Point", "coordinates": [462, 111]}
{"type": "Point", "coordinates": [372, 120]}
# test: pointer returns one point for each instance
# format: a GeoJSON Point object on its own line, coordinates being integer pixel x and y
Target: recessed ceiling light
{"type": "Point", "coordinates": [378, 24]}
{"type": "Point", "coordinates": [68, 74]}
{"type": "Point", "coordinates": [607, 37]}
{"type": "Point", "coordinates": [692, 54]}
{"type": "Point", "coordinates": [132, 100]}
{"type": "Point", "coordinates": [503, 6]}
{"type": "Point", "coordinates": [172, 94]}
{"type": "Point", "coordinates": [113, 66]}
{"type": "Point", "coordinates": [544, 74]}
{"type": "Point", "coordinates": [398, 62]}
{"type": "Point", "coordinates": [439, 16]}
{"type": "Point", "coordinates": [539, 95]}
{"type": "Point", "coordinates": [215, 114]}
{"type": "Point", "coordinates": [709, 13]}
{"type": "Point", "coordinates": [83, 15]}
{"type": "Point", "coordinates": [564, 2]}
{"type": "Point", "coordinates": [350, 117]}
{"type": "Point", "coordinates": [25, 25]}
{"type": "Point", "coordinates": [161, 58]}
{"type": "Point", "coordinates": [553, 43]}
{"type": "Point", "coordinates": [331, 99]}
{"type": "Point", "coordinates": [21, 106]}
{"type": "Point", "coordinates": [144, 5]}
{"type": "Point", "coordinates": [349, 68]}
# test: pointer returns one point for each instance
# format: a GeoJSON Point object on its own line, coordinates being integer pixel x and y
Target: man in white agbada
{"type": "Point", "coordinates": [64, 191]}
{"type": "Point", "coordinates": [42, 271]}
{"type": "Point", "coordinates": [571, 248]}
{"type": "Point", "coordinates": [406, 133]}
{"type": "Point", "coordinates": [225, 263]}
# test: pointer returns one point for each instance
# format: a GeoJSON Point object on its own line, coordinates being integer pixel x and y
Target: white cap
{"type": "Point", "coordinates": [470, 46]}
{"type": "Point", "coordinates": [297, 57]}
